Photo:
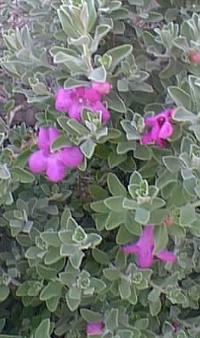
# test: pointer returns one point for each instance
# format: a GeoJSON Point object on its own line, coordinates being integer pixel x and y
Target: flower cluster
{"type": "Point", "coordinates": [160, 128]}
{"type": "Point", "coordinates": [95, 328]}
{"type": "Point", "coordinates": [144, 249]}
{"type": "Point", "coordinates": [53, 163]}
{"type": "Point", "coordinates": [73, 101]}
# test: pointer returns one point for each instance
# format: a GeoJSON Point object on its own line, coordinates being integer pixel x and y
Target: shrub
{"type": "Point", "coordinates": [99, 168]}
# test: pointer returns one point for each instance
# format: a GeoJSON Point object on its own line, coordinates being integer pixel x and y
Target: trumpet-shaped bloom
{"type": "Point", "coordinates": [73, 101]}
{"type": "Point", "coordinates": [160, 128]}
{"type": "Point", "coordinates": [95, 328]}
{"type": "Point", "coordinates": [53, 163]}
{"type": "Point", "coordinates": [144, 249]}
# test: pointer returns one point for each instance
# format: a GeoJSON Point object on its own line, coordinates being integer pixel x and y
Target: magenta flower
{"type": "Point", "coordinates": [144, 249]}
{"type": "Point", "coordinates": [95, 328]}
{"type": "Point", "coordinates": [73, 101]}
{"type": "Point", "coordinates": [53, 163]}
{"type": "Point", "coordinates": [160, 128]}
{"type": "Point", "coordinates": [103, 88]}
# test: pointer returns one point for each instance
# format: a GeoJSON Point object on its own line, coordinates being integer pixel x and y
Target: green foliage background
{"type": "Point", "coordinates": [60, 263]}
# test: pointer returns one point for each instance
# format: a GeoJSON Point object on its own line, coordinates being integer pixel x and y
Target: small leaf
{"type": "Point", "coordinates": [133, 298]}
{"type": "Point", "coordinates": [118, 54]}
{"type": "Point", "coordinates": [51, 238]}
{"type": "Point", "coordinates": [52, 256]}
{"type": "Point", "coordinates": [116, 103]}
{"type": "Point", "coordinates": [114, 203]}
{"type": "Point", "coordinates": [75, 292]}
{"type": "Point", "coordinates": [92, 14]}
{"type": "Point", "coordinates": [98, 74]}
{"type": "Point", "coordinates": [4, 172]}
{"type": "Point", "coordinates": [184, 115]}
{"type": "Point", "coordinates": [180, 97]}
{"type": "Point", "coordinates": [99, 206]}
{"type": "Point", "coordinates": [88, 148]}
{"type": "Point", "coordinates": [4, 292]}
{"type": "Point", "coordinates": [76, 259]}
{"type": "Point", "coordinates": [97, 192]}
{"type": "Point", "coordinates": [66, 22]}
{"type": "Point", "coordinates": [161, 237]}
{"type": "Point", "coordinates": [135, 178]}
{"type": "Point", "coordinates": [90, 316]}
{"type": "Point", "coordinates": [43, 330]}
{"type": "Point", "coordinates": [130, 130]}
{"type": "Point", "coordinates": [100, 31]}
{"type": "Point", "coordinates": [100, 256]}
{"type": "Point", "coordinates": [77, 127]}
{"type": "Point", "coordinates": [123, 235]}
{"type": "Point", "coordinates": [53, 289]}
{"type": "Point", "coordinates": [112, 319]}
{"type": "Point", "coordinates": [115, 159]}
{"type": "Point", "coordinates": [187, 215]}
{"type": "Point", "coordinates": [98, 285]}
{"type": "Point", "coordinates": [129, 204]}
{"type": "Point", "coordinates": [52, 303]}
{"type": "Point", "coordinates": [114, 219]}
{"type": "Point", "coordinates": [154, 302]}
{"type": "Point", "coordinates": [172, 163]}
{"type": "Point", "coordinates": [124, 288]}
{"type": "Point", "coordinates": [72, 303]}
{"type": "Point", "coordinates": [142, 215]}
{"type": "Point", "coordinates": [22, 175]}
{"type": "Point", "coordinates": [111, 273]}
{"type": "Point", "coordinates": [115, 186]}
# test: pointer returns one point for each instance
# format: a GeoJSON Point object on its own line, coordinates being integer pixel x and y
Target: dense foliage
{"type": "Point", "coordinates": [99, 223]}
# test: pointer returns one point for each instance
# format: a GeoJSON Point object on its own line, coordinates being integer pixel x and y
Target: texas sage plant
{"type": "Point", "coordinates": [99, 168]}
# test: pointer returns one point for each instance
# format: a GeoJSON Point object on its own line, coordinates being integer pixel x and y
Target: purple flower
{"type": "Point", "coordinates": [53, 163]}
{"type": "Point", "coordinates": [103, 88]}
{"type": "Point", "coordinates": [160, 128]}
{"type": "Point", "coordinates": [73, 101]}
{"type": "Point", "coordinates": [144, 249]}
{"type": "Point", "coordinates": [95, 328]}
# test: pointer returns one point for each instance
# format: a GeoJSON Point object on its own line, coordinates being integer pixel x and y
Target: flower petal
{"type": "Point", "coordinates": [161, 143]}
{"type": "Point", "coordinates": [147, 138]}
{"type": "Point", "coordinates": [143, 248]}
{"type": "Point", "coordinates": [155, 130]}
{"type": "Point", "coordinates": [167, 113]}
{"type": "Point", "coordinates": [55, 169]}
{"type": "Point", "coordinates": [145, 257]}
{"type": "Point", "coordinates": [150, 121]}
{"type": "Point", "coordinates": [166, 256]}
{"type": "Point", "coordinates": [130, 248]}
{"type": "Point", "coordinates": [63, 100]}
{"type": "Point", "coordinates": [74, 111]}
{"type": "Point", "coordinates": [37, 162]}
{"type": "Point", "coordinates": [102, 88]}
{"type": "Point", "coordinates": [43, 139]}
{"type": "Point", "coordinates": [95, 328]}
{"type": "Point", "coordinates": [91, 95]}
{"type": "Point", "coordinates": [147, 237]}
{"type": "Point", "coordinates": [70, 156]}
{"type": "Point", "coordinates": [53, 133]}
{"type": "Point", "coordinates": [166, 130]}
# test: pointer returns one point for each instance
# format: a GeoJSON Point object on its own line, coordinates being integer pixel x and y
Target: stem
{"type": "Point", "coordinates": [87, 57]}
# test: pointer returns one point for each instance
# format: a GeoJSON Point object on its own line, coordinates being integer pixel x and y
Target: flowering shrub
{"type": "Point", "coordinates": [99, 168]}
